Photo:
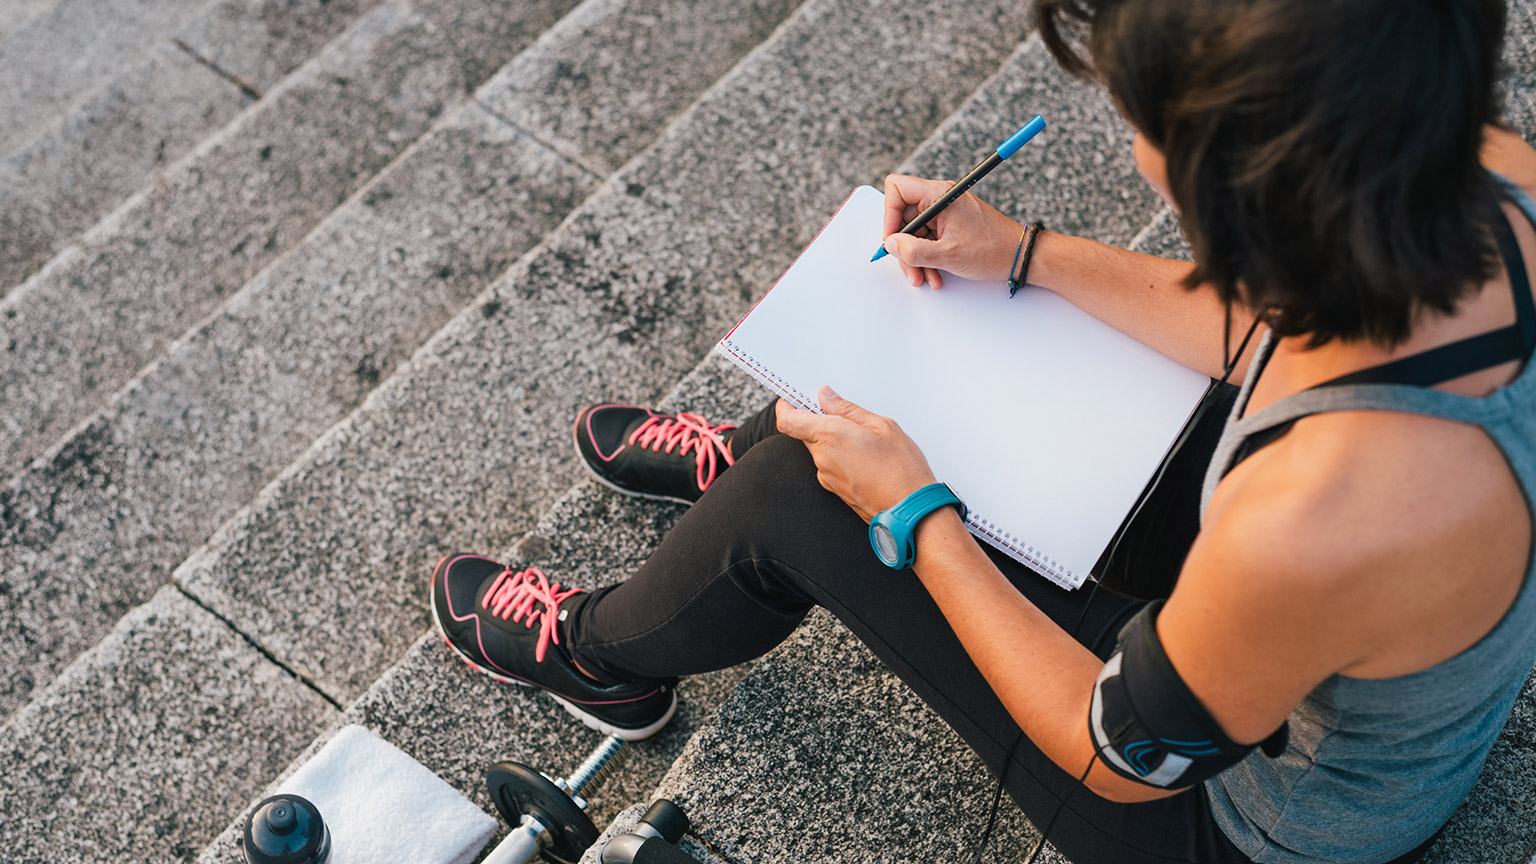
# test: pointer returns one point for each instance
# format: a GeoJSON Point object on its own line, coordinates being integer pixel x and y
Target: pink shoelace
{"type": "Point", "coordinates": [663, 432]}
{"type": "Point", "coordinates": [514, 595]}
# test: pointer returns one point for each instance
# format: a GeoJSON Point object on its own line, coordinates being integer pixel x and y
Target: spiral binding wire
{"type": "Point", "coordinates": [766, 378]}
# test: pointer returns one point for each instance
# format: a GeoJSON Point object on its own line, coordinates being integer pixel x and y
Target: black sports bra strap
{"type": "Point", "coordinates": [1514, 262]}
{"type": "Point", "coordinates": [1438, 365]}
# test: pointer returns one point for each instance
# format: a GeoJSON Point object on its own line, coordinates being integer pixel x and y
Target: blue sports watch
{"type": "Point", "coordinates": [892, 531]}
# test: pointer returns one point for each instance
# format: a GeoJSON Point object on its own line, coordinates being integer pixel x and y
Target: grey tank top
{"type": "Point", "coordinates": [1376, 766]}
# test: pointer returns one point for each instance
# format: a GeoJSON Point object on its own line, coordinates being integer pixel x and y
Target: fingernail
{"type": "Point", "coordinates": [830, 391]}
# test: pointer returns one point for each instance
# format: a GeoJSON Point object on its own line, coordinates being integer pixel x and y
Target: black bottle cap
{"type": "Point", "coordinates": [286, 829]}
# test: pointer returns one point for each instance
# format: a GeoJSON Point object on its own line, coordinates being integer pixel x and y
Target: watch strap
{"type": "Point", "coordinates": [914, 507]}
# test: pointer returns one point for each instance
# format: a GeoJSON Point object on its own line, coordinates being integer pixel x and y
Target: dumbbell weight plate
{"type": "Point", "coordinates": [517, 789]}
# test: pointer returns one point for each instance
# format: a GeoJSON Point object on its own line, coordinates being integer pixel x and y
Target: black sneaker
{"type": "Point", "coordinates": [670, 457]}
{"type": "Point", "coordinates": [487, 614]}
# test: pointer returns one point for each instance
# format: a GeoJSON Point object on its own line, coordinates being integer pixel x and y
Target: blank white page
{"type": "Point", "coordinates": [1044, 420]}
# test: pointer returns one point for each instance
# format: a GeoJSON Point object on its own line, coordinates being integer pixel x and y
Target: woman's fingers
{"type": "Point", "coordinates": [907, 196]}
{"type": "Point", "coordinates": [921, 259]}
{"type": "Point", "coordinates": [969, 238]}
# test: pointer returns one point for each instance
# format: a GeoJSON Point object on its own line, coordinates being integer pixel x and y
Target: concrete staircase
{"type": "Point", "coordinates": [300, 294]}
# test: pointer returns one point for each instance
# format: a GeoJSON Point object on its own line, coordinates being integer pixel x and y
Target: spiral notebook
{"type": "Point", "coordinates": [1044, 420]}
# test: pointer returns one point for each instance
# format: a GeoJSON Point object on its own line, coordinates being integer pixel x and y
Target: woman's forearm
{"type": "Point", "coordinates": [1040, 673]}
{"type": "Point", "coordinates": [1141, 295]}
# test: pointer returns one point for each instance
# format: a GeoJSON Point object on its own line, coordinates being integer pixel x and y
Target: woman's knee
{"type": "Point", "coordinates": [778, 469]}
{"type": "Point", "coordinates": [773, 502]}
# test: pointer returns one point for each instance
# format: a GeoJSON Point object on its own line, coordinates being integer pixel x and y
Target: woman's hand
{"type": "Point", "coordinates": [968, 238]}
{"type": "Point", "coordinates": [862, 458]}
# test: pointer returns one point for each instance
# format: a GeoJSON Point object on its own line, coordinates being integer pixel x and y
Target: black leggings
{"type": "Point", "coordinates": [766, 543]}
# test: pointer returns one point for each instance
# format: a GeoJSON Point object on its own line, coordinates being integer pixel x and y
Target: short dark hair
{"type": "Point", "coordinates": [1324, 154]}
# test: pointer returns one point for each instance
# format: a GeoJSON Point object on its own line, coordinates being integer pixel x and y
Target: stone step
{"type": "Point", "coordinates": [143, 747]}
{"type": "Point", "coordinates": [125, 133]}
{"type": "Point", "coordinates": [468, 443]}
{"type": "Point", "coordinates": [236, 399]}
{"type": "Point", "coordinates": [150, 477]}
{"type": "Point", "coordinates": [1520, 68]}
{"type": "Point", "coordinates": [16, 14]}
{"type": "Point", "coordinates": [64, 52]}
{"type": "Point", "coordinates": [95, 315]}
{"type": "Point", "coordinates": [458, 722]}
{"type": "Point", "coordinates": [653, 57]}
{"type": "Point", "coordinates": [821, 754]}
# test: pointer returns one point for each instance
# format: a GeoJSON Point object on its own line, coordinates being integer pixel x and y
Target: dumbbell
{"type": "Point", "coordinates": [548, 814]}
{"type": "Point", "coordinates": [651, 841]}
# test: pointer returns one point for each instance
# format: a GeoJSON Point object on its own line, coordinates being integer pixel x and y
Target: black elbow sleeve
{"type": "Point", "coordinates": [1146, 724]}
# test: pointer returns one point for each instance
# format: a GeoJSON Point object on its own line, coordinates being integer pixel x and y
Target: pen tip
{"type": "Point", "coordinates": [878, 255]}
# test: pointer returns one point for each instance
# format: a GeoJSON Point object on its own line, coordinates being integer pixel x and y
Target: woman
{"type": "Point", "coordinates": [1352, 613]}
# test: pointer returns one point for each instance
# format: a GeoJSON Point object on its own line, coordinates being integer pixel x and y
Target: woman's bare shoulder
{"type": "Point", "coordinates": [1413, 524]}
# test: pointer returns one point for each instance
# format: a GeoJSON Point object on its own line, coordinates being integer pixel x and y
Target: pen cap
{"type": "Point", "coordinates": [1021, 137]}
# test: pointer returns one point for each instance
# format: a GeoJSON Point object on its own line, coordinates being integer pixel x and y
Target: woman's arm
{"type": "Point", "coordinates": [1221, 634]}
{"type": "Point", "coordinates": [1143, 296]}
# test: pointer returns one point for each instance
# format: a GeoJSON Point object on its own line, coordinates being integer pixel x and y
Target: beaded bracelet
{"type": "Point", "coordinates": [1033, 230]}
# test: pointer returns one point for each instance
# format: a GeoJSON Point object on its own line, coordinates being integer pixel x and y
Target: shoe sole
{"type": "Point", "coordinates": [590, 720]}
{"type": "Point", "coordinates": [649, 496]}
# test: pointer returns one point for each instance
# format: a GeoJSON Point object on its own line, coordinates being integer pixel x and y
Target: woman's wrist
{"type": "Point", "coordinates": [1045, 266]}
{"type": "Point", "coordinates": [1003, 250]}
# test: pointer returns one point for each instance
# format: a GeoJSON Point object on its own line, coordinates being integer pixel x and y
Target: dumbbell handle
{"type": "Point", "coordinates": [522, 845]}
{"type": "Point", "coordinates": [657, 850]}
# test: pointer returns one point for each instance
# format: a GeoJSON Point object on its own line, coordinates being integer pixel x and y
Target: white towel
{"type": "Point", "coordinates": [382, 805]}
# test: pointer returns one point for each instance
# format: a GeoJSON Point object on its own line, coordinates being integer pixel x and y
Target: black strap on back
{"type": "Point", "coordinates": [1516, 342]}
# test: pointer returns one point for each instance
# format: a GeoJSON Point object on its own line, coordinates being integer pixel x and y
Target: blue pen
{"type": "Point", "coordinates": [1006, 149]}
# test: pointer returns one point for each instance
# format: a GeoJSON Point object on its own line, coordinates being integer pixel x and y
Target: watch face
{"type": "Point", "coordinates": [885, 544]}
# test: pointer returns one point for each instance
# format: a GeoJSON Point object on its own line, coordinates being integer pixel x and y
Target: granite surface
{"type": "Point", "coordinates": [457, 722]}
{"type": "Point", "coordinates": [259, 42]}
{"type": "Point", "coordinates": [52, 61]}
{"type": "Point", "coordinates": [127, 131]}
{"type": "Point", "coordinates": [468, 444]}
{"type": "Point", "coordinates": [144, 746]}
{"type": "Point", "coordinates": [242, 395]}
{"type": "Point", "coordinates": [1519, 82]}
{"type": "Point", "coordinates": [1163, 237]}
{"type": "Point", "coordinates": [16, 14]}
{"type": "Point", "coordinates": [87, 323]}
{"type": "Point", "coordinates": [821, 754]}
{"type": "Point", "coordinates": [121, 137]}
{"type": "Point", "coordinates": [648, 63]}
{"type": "Point", "coordinates": [1077, 176]}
